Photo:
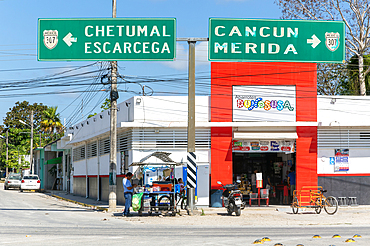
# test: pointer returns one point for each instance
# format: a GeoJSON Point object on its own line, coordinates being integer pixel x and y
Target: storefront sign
{"type": "Point", "coordinates": [341, 160]}
{"type": "Point", "coordinates": [263, 146]}
{"type": "Point", "coordinates": [264, 103]}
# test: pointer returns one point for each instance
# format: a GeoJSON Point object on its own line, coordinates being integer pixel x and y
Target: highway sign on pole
{"type": "Point", "coordinates": [106, 39]}
{"type": "Point", "coordinates": [276, 40]}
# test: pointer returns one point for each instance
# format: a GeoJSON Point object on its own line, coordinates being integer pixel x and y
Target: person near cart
{"type": "Point", "coordinates": [128, 192]}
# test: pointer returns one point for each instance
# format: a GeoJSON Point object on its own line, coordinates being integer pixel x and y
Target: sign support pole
{"type": "Point", "coordinates": [191, 157]}
{"type": "Point", "coordinates": [113, 129]}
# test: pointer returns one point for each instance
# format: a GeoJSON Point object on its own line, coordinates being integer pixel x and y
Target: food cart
{"type": "Point", "coordinates": [160, 196]}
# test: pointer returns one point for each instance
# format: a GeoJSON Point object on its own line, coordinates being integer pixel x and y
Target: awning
{"type": "Point", "coordinates": [265, 135]}
{"type": "Point", "coordinates": [57, 160]}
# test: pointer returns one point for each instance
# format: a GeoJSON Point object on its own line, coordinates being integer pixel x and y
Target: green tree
{"type": "Point", "coordinates": [22, 111]}
{"type": "Point", "coordinates": [50, 123]}
{"type": "Point", "coordinates": [351, 85]}
{"type": "Point", "coordinates": [354, 13]}
{"type": "Point", "coordinates": [331, 79]}
{"type": "Point", "coordinates": [105, 105]}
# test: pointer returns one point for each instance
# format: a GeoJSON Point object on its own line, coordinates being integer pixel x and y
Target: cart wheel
{"type": "Point", "coordinates": [164, 202]}
{"type": "Point", "coordinates": [150, 212]}
{"type": "Point", "coordinates": [331, 205]}
{"type": "Point", "coordinates": [140, 212]}
{"type": "Point", "coordinates": [295, 205]}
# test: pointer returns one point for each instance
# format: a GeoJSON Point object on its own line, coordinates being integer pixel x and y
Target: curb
{"type": "Point", "coordinates": [80, 203]}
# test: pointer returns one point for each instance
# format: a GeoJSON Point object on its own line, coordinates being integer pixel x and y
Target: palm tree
{"type": "Point", "coordinates": [50, 122]}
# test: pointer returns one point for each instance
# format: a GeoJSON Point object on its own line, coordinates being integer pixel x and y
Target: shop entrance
{"type": "Point", "coordinates": [274, 167]}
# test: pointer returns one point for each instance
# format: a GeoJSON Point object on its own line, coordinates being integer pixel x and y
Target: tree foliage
{"type": "Point", "coordinates": [19, 133]}
{"type": "Point", "coordinates": [331, 78]}
{"type": "Point", "coordinates": [22, 111]}
{"type": "Point", "coordinates": [354, 13]}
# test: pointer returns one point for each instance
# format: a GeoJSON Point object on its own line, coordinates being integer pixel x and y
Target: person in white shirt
{"type": "Point", "coordinates": [128, 192]}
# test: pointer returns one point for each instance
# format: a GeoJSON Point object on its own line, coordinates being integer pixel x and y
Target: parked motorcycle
{"type": "Point", "coordinates": [233, 199]}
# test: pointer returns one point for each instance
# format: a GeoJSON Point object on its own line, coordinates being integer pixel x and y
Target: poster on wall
{"type": "Point", "coordinates": [341, 160]}
{"type": "Point", "coordinates": [264, 103]}
{"type": "Point", "coordinates": [263, 146]}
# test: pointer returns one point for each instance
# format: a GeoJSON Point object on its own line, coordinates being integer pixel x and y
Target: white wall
{"type": "Point", "coordinates": [345, 111]}
{"type": "Point", "coordinates": [169, 109]}
{"type": "Point", "coordinates": [359, 160]}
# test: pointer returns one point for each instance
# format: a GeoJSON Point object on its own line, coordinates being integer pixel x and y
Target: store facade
{"type": "Point", "coordinates": [264, 116]}
{"type": "Point", "coordinates": [272, 111]}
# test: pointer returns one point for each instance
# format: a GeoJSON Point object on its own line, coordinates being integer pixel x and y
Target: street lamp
{"type": "Point", "coordinates": [31, 144]}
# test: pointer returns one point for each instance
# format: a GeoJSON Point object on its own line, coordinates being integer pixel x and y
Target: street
{"type": "Point", "coordinates": [31, 218]}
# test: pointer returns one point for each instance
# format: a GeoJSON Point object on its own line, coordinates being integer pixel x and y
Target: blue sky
{"type": "Point", "coordinates": [18, 46]}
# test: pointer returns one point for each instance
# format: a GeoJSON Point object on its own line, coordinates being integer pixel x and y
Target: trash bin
{"type": "Point", "coordinates": [216, 200]}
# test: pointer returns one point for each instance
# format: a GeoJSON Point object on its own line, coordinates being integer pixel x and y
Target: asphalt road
{"type": "Point", "coordinates": [30, 218]}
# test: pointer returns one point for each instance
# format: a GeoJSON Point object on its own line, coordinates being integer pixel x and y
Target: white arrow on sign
{"type": "Point", "coordinates": [314, 41]}
{"type": "Point", "coordinates": [68, 39]}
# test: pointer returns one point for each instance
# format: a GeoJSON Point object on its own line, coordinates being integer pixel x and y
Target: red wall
{"type": "Point", "coordinates": [226, 74]}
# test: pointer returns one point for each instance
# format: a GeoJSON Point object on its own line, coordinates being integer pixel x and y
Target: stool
{"type": "Point", "coordinates": [342, 201]}
{"type": "Point", "coordinates": [352, 201]}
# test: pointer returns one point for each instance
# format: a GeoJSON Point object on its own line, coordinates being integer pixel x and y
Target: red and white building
{"type": "Point", "coordinates": [264, 116]}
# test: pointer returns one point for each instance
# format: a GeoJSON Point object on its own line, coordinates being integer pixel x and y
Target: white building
{"type": "Point", "coordinates": [149, 124]}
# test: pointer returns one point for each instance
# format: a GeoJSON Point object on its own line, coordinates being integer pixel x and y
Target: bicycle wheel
{"type": "Point", "coordinates": [184, 203]}
{"type": "Point", "coordinates": [164, 202]}
{"type": "Point", "coordinates": [318, 206]}
{"type": "Point", "coordinates": [331, 205]}
{"type": "Point", "coordinates": [295, 205]}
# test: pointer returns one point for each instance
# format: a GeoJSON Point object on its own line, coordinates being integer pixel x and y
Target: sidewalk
{"type": "Point", "coordinates": [83, 201]}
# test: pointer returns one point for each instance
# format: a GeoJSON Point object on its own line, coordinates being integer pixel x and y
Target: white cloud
{"type": "Point", "coordinates": [182, 56]}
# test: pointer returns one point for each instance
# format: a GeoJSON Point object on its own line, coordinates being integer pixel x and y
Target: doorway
{"type": "Point", "coordinates": [274, 167]}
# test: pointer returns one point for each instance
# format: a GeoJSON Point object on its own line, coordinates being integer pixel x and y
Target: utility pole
{"type": "Point", "coordinates": [7, 151]}
{"type": "Point", "coordinates": [31, 144]}
{"type": "Point", "coordinates": [113, 129]}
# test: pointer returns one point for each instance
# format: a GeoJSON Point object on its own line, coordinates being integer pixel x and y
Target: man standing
{"type": "Point", "coordinates": [128, 191]}
{"type": "Point", "coordinates": [291, 180]}
{"type": "Point", "coordinates": [254, 181]}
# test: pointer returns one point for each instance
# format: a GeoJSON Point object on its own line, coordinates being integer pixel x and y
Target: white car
{"type": "Point", "coordinates": [13, 181]}
{"type": "Point", "coordinates": [30, 182]}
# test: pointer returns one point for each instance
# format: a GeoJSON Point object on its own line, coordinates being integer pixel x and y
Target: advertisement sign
{"type": "Point", "coordinates": [263, 146]}
{"type": "Point", "coordinates": [341, 160]}
{"type": "Point", "coordinates": [264, 103]}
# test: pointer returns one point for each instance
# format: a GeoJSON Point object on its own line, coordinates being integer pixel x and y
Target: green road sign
{"type": "Point", "coordinates": [107, 39]}
{"type": "Point", "coordinates": [276, 40]}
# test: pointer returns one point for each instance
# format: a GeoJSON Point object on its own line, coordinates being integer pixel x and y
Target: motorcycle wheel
{"type": "Point", "coordinates": [238, 212]}
{"type": "Point", "coordinates": [230, 208]}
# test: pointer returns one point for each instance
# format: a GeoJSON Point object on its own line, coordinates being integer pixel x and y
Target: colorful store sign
{"type": "Point", "coordinates": [264, 103]}
{"type": "Point", "coordinates": [263, 146]}
{"type": "Point", "coordinates": [341, 160]}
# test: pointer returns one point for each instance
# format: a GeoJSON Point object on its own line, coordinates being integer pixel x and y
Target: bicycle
{"type": "Point", "coordinates": [317, 200]}
{"type": "Point", "coordinates": [182, 200]}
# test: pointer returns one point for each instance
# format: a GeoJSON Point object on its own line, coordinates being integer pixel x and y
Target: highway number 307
{"type": "Point", "coordinates": [50, 38]}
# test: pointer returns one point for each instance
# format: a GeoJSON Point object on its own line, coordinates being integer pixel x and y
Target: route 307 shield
{"type": "Point", "coordinates": [332, 40]}
{"type": "Point", "coordinates": [50, 38]}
